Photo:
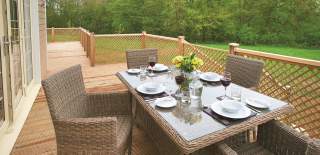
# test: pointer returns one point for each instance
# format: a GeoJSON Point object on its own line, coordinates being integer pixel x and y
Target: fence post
{"type": "Point", "coordinates": [181, 45]}
{"type": "Point", "coordinates": [143, 39]}
{"type": "Point", "coordinates": [85, 42]}
{"type": "Point", "coordinates": [232, 48]}
{"type": "Point", "coordinates": [88, 43]}
{"type": "Point", "coordinates": [52, 35]}
{"type": "Point", "coordinates": [80, 35]}
{"type": "Point", "coordinates": [92, 49]}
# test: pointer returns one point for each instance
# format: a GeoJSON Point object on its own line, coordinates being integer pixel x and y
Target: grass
{"type": "Point", "coordinates": [282, 50]}
{"type": "Point", "coordinates": [112, 50]}
{"type": "Point", "coordinates": [63, 37]}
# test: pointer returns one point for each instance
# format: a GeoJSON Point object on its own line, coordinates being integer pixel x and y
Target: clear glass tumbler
{"type": "Point", "coordinates": [143, 72]}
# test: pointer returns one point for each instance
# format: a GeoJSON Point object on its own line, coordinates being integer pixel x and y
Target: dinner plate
{"type": "Point", "coordinates": [243, 112]}
{"type": "Point", "coordinates": [142, 89]}
{"type": "Point", "coordinates": [133, 71]}
{"type": "Point", "coordinates": [166, 102]}
{"type": "Point", "coordinates": [160, 68]}
{"type": "Point", "coordinates": [256, 103]}
{"type": "Point", "coordinates": [210, 77]}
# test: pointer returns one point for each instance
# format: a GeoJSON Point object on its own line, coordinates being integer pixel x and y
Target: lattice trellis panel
{"type": "Point", "coordinates": [214, 59]}
{"type": "Point", "coordinates": [111, 49]}
{"type": "Point", "coordinates": [64, 34]}
{"type": "Point", "coordinates": [167, 48]}
{"type": "Point", "coordinates": [299, 85]}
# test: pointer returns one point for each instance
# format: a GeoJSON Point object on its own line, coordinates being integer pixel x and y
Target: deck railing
{"type": "Point", "coordinates": [294, 80]}
{"type": "Point", "coordinates": [63, 34]}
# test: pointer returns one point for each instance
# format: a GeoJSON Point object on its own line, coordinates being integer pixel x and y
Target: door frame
{"type": "Point", "coordinates": [5, 68]}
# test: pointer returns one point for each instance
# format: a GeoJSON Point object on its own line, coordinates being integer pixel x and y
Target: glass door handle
{"type": "Point", "coordinates": [4, 41]}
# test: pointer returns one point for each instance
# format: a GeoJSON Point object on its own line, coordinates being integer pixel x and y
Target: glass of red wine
{"type": "Point", "coordinates": [225, 81]}
{"type": "Point", "coordinates": [179, 80]}
{"type": "Point", "coordinates": [152, 62]}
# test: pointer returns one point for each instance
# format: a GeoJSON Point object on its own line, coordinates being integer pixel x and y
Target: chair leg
{"type": "Point", "coordinates": [131, 137]}
{"type": "Point", "coordinates": [130, 145]}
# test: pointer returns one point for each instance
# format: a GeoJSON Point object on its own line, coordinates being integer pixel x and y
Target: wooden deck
{"type": "Point", "coordinates": [37, 135]}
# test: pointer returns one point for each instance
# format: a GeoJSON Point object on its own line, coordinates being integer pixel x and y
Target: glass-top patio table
{"type": "Point", "coordinates": [191, 131]}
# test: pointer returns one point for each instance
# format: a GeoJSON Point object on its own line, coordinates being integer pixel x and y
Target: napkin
{"type": "Point", "coordinates": [224, 120]}
{"type": "Point", "coordinates": [148, 97]}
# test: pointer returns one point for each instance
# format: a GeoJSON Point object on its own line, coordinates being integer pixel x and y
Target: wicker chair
{"type": "Point", "coordinates": [274, 138]}
{"type": "Point", "coordinates": [245, 72]}
{"type": "Point", "coordinates": [138, 57]}
{"type": "Point", "coordinates": [87, 123]}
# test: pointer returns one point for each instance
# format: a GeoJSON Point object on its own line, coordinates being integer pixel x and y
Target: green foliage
{"type": "Point", "coordinates": [289, 22]}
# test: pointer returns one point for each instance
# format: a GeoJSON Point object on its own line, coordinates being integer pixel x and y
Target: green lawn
{"type": "Point", "coordinates": [283, 50]}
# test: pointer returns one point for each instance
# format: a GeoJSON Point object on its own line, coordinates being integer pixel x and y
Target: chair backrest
{"type": "Point", "coordinates": [138, 57]}
{"type": "Point", "coordinates": [65, 92]}
{"type": "Point", "coordinates": [245, 72]}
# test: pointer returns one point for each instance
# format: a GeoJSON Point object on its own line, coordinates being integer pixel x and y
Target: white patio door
{"type": "Point", "coordinates": [16, 58]}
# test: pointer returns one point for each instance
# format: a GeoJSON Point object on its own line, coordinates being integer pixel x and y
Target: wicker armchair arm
{"type": "Point", "coordinates": [274, 135]}
{"type": "Point", "coordinates": [314, 147]}
{"type": "Point", "coordinates": [86, 134]}
{"type": "Point", "coordinates": [223, 149]}
{"type": "Point", "coordinates": [109, 104]}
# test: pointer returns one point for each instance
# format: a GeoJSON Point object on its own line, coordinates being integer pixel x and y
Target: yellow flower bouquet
{"type": "Point", "coordinates": [188, 63]}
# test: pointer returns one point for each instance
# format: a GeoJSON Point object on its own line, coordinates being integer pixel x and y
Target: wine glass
{"type": "Point", "coordinates": [170, 87]}
{"type": "Point", "coordinates": [225, 81]}
{"type": "Point", "coordinates": [152, 62]}
{"type": "Point", "coordinates": [171, 73]}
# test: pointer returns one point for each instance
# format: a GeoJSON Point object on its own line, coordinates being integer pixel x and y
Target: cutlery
{"type": "Point", "coordinates": [253, 109]}
{"type": "Point", "coordinates": [151, 100]}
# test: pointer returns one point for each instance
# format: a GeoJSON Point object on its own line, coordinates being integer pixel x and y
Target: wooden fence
{"type": "Point", "coordinates": [290, 79]}
{"type": "Point", "coordinates": [88, 43]}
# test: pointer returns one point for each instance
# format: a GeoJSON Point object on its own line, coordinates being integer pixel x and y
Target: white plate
{"type": "Point", "coordinates": [166, 102]}
{"type": "Point", "coordinates": [160, 67]}
{"type": "Point", "coordinates": [257, 103]}
{"type": "Point", "coordinates": [134, 71]}
{"type": "Point", "coordinates": [244, 112]}
{"type": "Point", "coordinates": [231, 106]}
{"type": "Point", "coordinates": [214, 77]}
{"type": "Point", "coordinates": [142, 89]}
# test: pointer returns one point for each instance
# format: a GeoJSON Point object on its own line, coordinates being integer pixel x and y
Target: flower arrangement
{"type": "Point", "coordinates": [188, 63]}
